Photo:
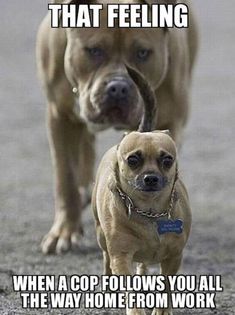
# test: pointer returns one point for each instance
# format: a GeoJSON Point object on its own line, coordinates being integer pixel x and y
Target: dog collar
{"type": "Point", "coordinates": [151, 214]}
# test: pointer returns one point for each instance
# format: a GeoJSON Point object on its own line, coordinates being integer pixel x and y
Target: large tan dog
{"type": "Point", "coordinates": [140, 205]}
{"type": "Point", "coordinates": [92, 62]}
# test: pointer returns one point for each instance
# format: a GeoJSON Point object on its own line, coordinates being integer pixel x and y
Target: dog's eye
{"type": "Point", "coordinates": [133, 160]}
{"type": "Point", "coordinates": [167, 161]}
{"type": "Point", "coordinates": [95, 52]}
{"type": "Point", "coordinates": [143, 54]}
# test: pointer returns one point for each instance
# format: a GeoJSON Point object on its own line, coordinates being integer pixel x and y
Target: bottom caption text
{"type": "Point", "coordinates": [109, 292]}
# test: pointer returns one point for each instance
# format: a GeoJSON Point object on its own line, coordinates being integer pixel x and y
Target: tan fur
{"type": "Point", "coordinates": [63, 64]}
{"type": "Point", "coordinates": [126, 241]}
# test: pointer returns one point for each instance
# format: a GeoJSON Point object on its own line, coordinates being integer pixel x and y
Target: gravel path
{"type": "Point", "coordinates": [206, 161]}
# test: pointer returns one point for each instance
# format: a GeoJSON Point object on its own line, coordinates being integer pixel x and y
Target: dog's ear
{"type": "Point", "coordinates": [77, 2]}
{"type": "Point", "coordinates": [125, 134]}
{"type": "Point", "coordinates": [166, 132]}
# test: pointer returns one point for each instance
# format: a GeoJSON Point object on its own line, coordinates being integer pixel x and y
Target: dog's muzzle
{"type": "Point", "coordinates": [117, 103]}
{"type": "Point", "coordinates": [151, 182]}
{"type": "Point", "coordinates": [118, 91]}
{"type": "Point", "coordinates": [119, 95]}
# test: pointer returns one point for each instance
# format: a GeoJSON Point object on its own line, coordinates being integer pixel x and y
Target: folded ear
{"type": "Point", "coordinates": [166, 132]}
{"type": "Point", "coordinates": [68, 2]}
{"type": "Point", "coordinates": [125, 134]}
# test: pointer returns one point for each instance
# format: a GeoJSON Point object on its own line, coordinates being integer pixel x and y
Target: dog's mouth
{"type": "Point", "coordinates": [117, 102]}
{"type": "Point", "coordinates": [112, 114]}
{"type": "Point", "coordinates": [151, 190]}
{"type": "Point", "coordinates": [118, 116]}
{"type": "Point", "coordinates": [150, 183]}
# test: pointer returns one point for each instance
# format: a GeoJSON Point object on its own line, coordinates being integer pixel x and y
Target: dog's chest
{"type": "Point", "coordinates": [153, 248]}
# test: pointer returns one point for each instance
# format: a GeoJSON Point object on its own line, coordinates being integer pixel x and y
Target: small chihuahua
{"type": "Point", "coordinates": [140, 204]}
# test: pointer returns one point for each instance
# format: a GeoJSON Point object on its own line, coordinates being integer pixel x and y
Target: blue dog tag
{"type": "Point", "coordinates": [170, 226]}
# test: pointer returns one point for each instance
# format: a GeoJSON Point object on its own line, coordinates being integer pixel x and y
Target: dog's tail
{"type": "Point", "coordinates": [150, 102]}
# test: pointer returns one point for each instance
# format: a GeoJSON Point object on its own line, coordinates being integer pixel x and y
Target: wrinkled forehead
{"type": "Point", "coordinates": [149, 144]}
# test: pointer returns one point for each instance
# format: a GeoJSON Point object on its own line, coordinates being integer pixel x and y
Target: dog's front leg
{"type": "Point", "coordinates": [68, 139]}
{"type": "Point", "coordinates": [168, 267]}
{"type": "Point", "coordinates": [122, 265]}
{"type": "Point", "coordinates": [141, 269]}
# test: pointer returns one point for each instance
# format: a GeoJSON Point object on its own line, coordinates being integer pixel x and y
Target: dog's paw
{"type": "Point", "coordinates": [62, 237]}
{"type": "Point", "coordinates": [135, 312]}
{"type": "Point", "coordinates": [162, 312]}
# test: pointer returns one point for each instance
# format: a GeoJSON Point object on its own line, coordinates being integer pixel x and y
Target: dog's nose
{"type": "Point", "coordinates": [118, 90]}
{"type": "Point", "coordinates": [151, 180]}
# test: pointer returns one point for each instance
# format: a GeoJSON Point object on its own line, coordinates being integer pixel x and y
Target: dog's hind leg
{"type": "Point", "coordinates": [107, 270]}
{"type": "Point", "coordinates": [102, 243]}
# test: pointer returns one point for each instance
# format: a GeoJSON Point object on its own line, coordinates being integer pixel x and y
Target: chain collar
{"type": "Point", "coordinates": [150, 213]}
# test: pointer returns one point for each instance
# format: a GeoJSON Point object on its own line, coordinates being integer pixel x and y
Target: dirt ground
{"type": "Point", "coordinates": [206, 161]}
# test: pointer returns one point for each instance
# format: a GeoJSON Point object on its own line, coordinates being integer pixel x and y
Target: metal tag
{"type": "Point", "coordinates": [170, 226]}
